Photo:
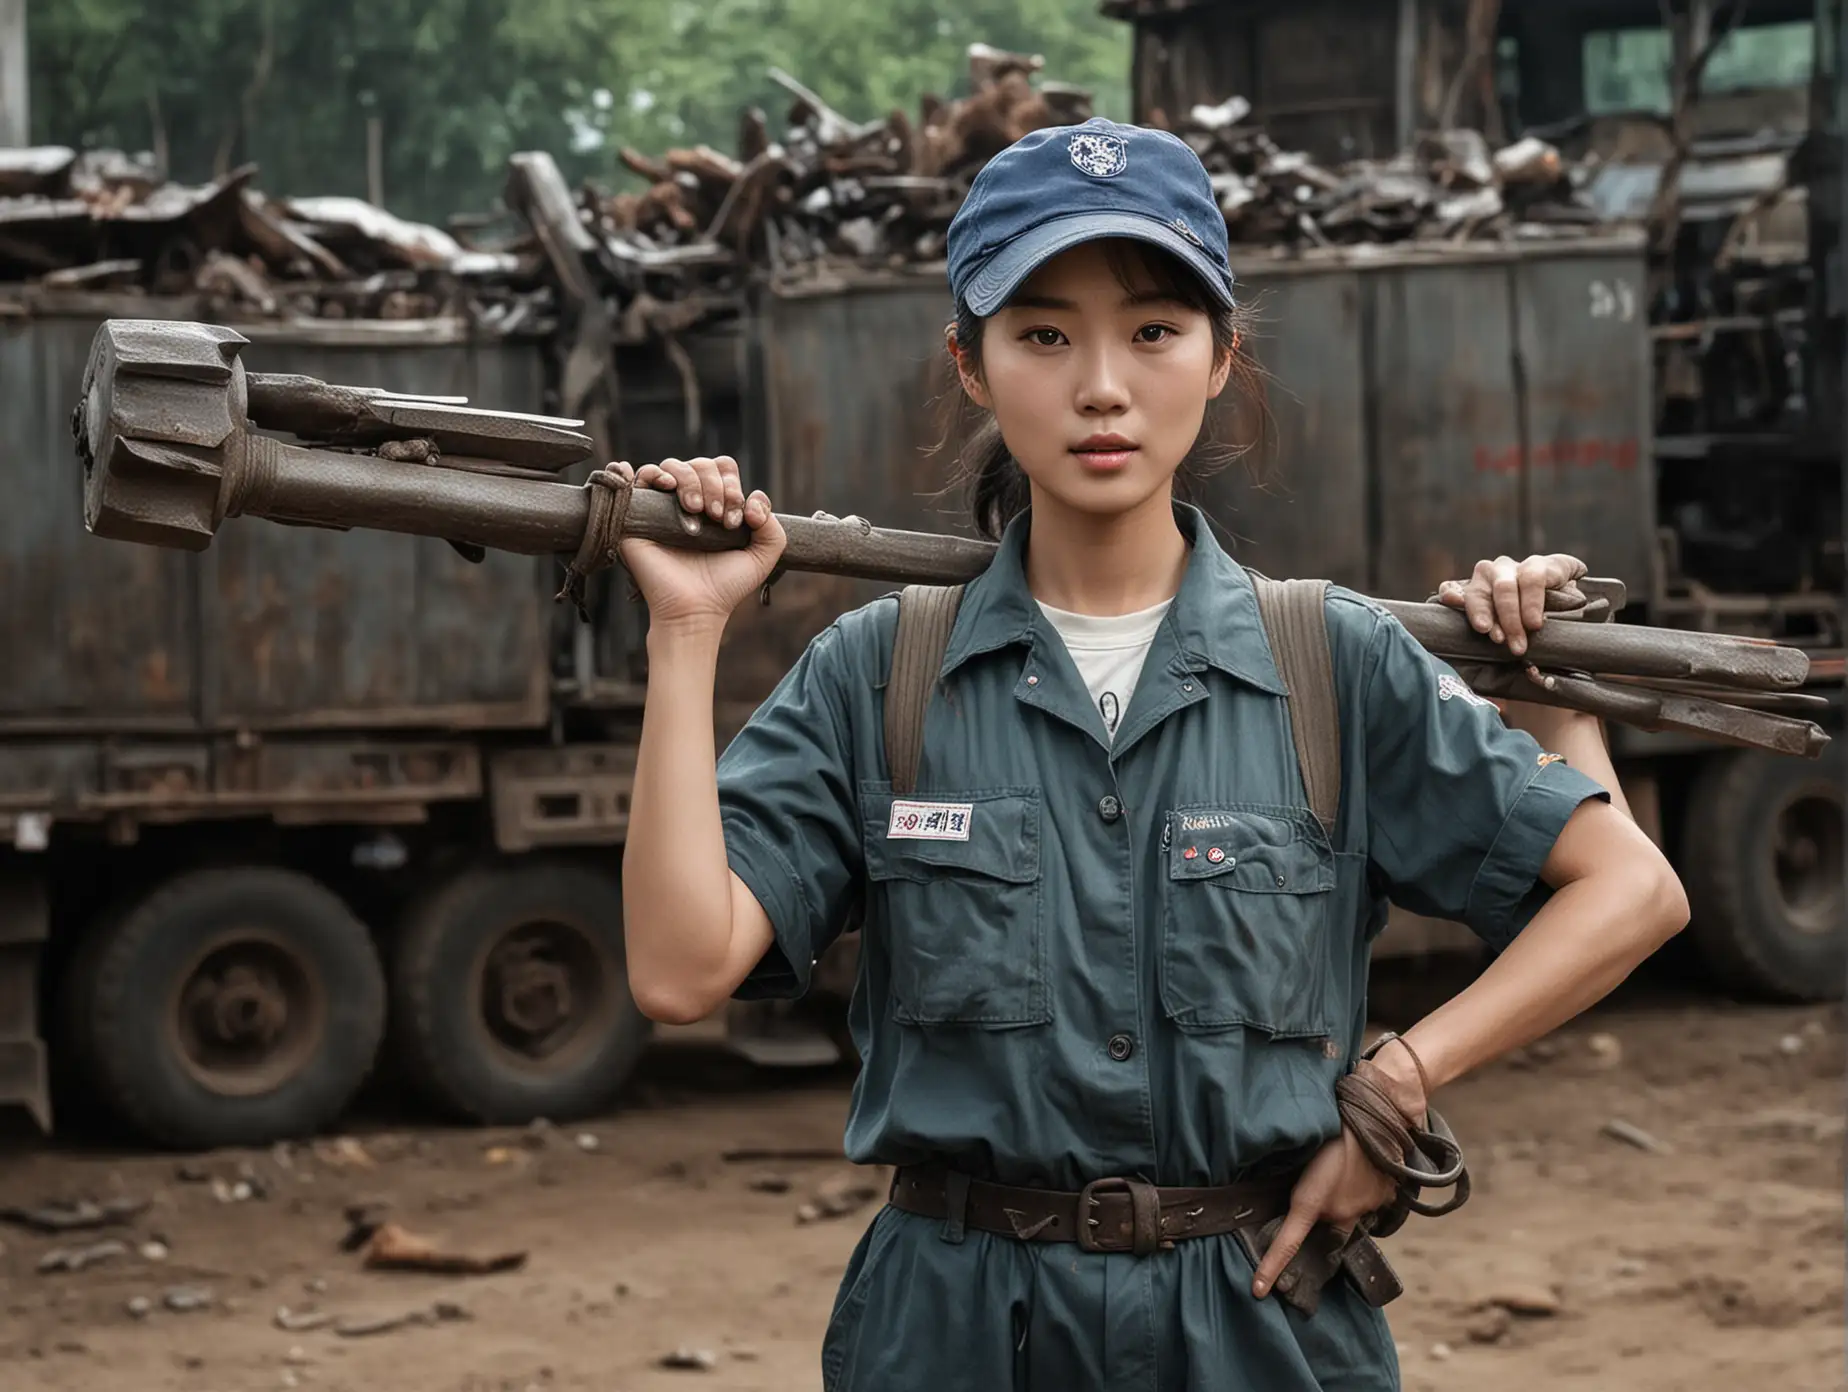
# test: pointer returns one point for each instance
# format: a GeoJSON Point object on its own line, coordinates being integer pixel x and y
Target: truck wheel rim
{"type": "Point", "coordinates": [249, 1013]}
{"type": "Point", "coordinates": [1807, 856]}
{"type": "Point", "coordinates": [546, 989]}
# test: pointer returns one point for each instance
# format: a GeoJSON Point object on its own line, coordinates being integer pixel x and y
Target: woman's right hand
{"type": "Point", "coordinates": [694, 589]}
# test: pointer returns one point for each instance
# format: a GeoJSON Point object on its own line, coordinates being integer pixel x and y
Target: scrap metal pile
{"type": "Point", "coordinates": [827, 192]}
{"type": "Point", "coordinates": [829, 189]}
{"type": "Point", "coordinates": [1450, 187]}
{"type": "Point", "coordinates": [882, 193]}
{"type": "Point", "coordinates": [103, 222]}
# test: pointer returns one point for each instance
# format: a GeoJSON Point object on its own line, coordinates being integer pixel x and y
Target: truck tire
{"type": "Point", "coordinates": [1763, 855]}
{"type": "Point", "coordinates": [510, 997]}
{"type": "Point", "coordinates": [227, 1007]}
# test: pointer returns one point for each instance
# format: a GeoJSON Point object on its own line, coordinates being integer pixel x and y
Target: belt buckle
{"type": "Point", "coordinates": [1142, 1197]}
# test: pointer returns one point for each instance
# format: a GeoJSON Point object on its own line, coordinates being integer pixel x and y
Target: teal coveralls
{"type": "Point", "coordinates": [1144, 959]}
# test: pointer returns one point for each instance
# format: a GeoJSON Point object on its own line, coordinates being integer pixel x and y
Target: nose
{"type": "Point", "coordinates": [1103, 385]}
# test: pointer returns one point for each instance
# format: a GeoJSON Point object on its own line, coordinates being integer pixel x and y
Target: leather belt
{"type": "Point", "coordinates": [1107, 1215]}
{"type": "Point", "coordinates": [1134, 1216]}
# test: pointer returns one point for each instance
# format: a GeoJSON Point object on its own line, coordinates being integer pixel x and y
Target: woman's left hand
{"type": "Point", "coordinates": [1506, 598]}
{"type": "Point", "coordinates": [1339, 1187]}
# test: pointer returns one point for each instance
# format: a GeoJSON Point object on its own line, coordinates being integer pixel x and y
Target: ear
{"type": "Point", "coordinates": [972, 384]}
{"type": "Point", "coordinates": [1222, 371]}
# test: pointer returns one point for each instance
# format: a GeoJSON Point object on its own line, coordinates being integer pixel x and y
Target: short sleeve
{"type": "Point", "coordinates": [787, 806]}
{"type": "Point", "coordinates": [1462, 811]}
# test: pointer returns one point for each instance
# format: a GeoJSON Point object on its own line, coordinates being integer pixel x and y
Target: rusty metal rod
{"type": "Point", "coordinates": [535, 517]}
{"type": "Point", "coordinates": [856, 548]}
{"type": "Point", "coordinates": [362, 416]}
{"type": "Point", "coordinates": [1630, 649]}
{"type": "Point", "coordinates": [1784, 702]}
{"type": "Point", "coordinates": [326, 488]}
{"type": "Point", "coordinates": [1647, 708]}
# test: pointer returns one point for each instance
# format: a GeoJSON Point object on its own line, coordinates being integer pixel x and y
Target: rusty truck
{"type": "Point", "coordinates": [310, 806]}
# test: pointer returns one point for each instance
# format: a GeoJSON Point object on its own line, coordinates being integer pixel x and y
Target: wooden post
{"type": "Point", "coordinates": [375, 160]}
{"type": "Point", "coordinates": [1405, 85]}
{"type": "Point", "coordinates": [15, 108]}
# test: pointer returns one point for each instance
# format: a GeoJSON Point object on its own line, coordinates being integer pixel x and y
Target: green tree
{"type": "Point", "coordinates": [458, 85]}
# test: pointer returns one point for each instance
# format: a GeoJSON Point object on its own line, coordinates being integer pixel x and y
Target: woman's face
{"type": "Point", "coordinates": [1099, 390]}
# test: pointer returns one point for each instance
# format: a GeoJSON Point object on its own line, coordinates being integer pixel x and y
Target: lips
{"type": "Point", "coordinates": [1104, 453]}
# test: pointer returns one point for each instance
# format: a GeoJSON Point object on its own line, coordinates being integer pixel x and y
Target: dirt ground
{"type": "Point", "coordinates": [1713, 1262]}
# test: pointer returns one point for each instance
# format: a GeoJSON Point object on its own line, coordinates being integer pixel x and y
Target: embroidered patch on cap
{"type": "Point", "coordinates": [1100, 156]}
{"type": "Point", "coordinates": [1449, 686]}
{"type": "Point", "coordinates": [1180, 225]}
{"type": "Point", "coordinates": [930, 821]}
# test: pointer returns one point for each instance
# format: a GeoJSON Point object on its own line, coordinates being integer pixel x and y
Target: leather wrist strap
{"type": "Point", "coordinates": [1415, 1157]}
{"type": "Point", "coordinates": [1424, 1078]}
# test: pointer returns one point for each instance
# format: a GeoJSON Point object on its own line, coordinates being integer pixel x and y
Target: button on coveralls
{"type": "Point", "coordinates": [1203, 921]}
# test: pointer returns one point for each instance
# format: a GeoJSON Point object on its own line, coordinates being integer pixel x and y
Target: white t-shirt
{"type": "Point", "coordinates": [1108, 651]}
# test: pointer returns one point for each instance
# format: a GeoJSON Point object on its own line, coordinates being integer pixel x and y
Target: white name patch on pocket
{"type": "Point", "coordinates": [929, 821]}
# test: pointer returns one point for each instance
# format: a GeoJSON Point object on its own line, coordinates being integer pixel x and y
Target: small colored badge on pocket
{"type": "Point", "coordinates": [929, 821]}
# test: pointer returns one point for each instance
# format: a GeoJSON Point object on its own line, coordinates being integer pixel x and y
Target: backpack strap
{"type": "Point", "coordinates": [1297, 625]}
{"type": "Point", "coordinates": [1295, 622]}
{"type": "Point", "coordinates": [926, 615]}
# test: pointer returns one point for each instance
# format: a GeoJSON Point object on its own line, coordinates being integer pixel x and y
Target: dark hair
{"type": "Point", "coordinates": [996, 486]}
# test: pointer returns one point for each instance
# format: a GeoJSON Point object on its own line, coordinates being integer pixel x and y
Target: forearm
{"type": "Point", "coordinates": [677, 912]}
{"type": "Point", "coordinates": [1589, 936]}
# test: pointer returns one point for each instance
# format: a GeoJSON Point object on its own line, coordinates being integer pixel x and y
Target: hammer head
{"type": "Point", "coordinates": [163, 405]}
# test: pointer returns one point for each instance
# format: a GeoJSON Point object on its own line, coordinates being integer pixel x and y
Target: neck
{"type": "Point", "coordinates": [1105, 565]}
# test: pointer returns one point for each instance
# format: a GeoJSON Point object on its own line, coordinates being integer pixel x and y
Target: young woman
{"type": "Point", "coordinates": [1125, 969]}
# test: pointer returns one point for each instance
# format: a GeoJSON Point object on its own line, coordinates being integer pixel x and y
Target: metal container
{"type": "Point", "coordinates": [1421, 409]}
{"type": "Point", "coordinates": [846, 421]}
{"type": "Point", "coordinates": [1432, 408]}
{"type": "Point", "coordinates": [273, 628]}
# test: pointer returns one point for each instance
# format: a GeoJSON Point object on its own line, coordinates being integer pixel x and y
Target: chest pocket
{"type": "Point", "coordinates": [960, 915]}
{"type": "Point", "coordinates": [1248, 897]}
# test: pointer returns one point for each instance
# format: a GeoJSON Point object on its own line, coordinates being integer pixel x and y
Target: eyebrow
{"type": "Point", "coordinates": [1136, 301]}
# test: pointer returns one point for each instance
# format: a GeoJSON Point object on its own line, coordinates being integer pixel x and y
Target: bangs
{"type": "Point", "coordinates": [1142, 266]}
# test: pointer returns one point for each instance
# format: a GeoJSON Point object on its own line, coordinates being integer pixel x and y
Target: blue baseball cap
{"type": "Point", "coordinates": [1065, 185]}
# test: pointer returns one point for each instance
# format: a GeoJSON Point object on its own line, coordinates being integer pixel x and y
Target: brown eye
{"type": "Point", "coordinates": [1044, 338]}
{"type": "Point", "coordinates": [1154, 333]}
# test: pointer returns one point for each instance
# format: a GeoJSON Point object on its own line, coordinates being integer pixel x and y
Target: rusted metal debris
{"type": "Point", "coordinates": [803, 197]}
{"type": "Point", "coordinates": [80, 1216]}
{"type": "Point", "coordinates": [80, 1258]}
{"type": "Point", "coordinates": [828, 188]}
{"type": "Point", "coordinates": [170, 450]}
{"type": "Point", "coordinates": [390, 1247]}
{"type": "Point", "coordinates": [362, 1326]}
{"type": "Point", "coordinates": [102, 221]}
{"type": "Point", "coordinates": [1450, 187]}
{"type": "Point", "coordinates": [832, 191]}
